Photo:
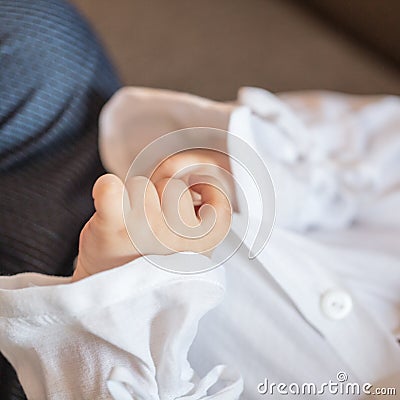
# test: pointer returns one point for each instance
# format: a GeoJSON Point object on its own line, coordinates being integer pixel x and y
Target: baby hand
{"type": "Point", "coordinates": [155, 218]}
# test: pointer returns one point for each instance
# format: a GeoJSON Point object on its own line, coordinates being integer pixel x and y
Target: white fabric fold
{"type": "Point", "coordinates": [136, 116]}
{"type": "Point", "coordinates": [64, 339]}
{"type": "Point", "coordinates": [336, 154]}
{"type": "Point", "coordinates": [121, 383]}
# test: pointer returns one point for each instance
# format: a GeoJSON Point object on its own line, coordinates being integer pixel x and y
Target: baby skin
{"type": "Point", "coordinates": [156, 216]}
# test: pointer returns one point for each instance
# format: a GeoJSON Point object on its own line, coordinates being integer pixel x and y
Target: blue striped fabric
{"type": "Point", "coordinates": [54, 79]}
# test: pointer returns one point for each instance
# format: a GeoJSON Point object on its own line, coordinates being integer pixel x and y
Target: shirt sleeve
{"type": "Point", "coordinates": [336, 154]}
{"type": "Point", "coordinates": [120, 334]}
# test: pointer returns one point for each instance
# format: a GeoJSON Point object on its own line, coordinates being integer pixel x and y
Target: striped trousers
{"type": "Point", "coordinates": [54, 79]}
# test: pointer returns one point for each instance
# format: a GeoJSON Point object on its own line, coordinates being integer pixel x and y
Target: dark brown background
{"type": "Point", "coordinates": [212, 47]}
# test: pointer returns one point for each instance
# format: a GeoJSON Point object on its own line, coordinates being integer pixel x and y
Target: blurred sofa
{"type": "Point", "coordinates": [212, 47]}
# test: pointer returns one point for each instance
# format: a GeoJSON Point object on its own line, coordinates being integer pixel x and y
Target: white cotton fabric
{"type": "Point", "coordinates": [335, 163]}
{"type": "Point", "coordinates": [67, 339]}
{"type": "Point", "coordinates": [330, 235]}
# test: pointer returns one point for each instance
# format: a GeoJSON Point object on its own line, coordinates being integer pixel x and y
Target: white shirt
{"type": "Point", "coordinates": [322, 298]}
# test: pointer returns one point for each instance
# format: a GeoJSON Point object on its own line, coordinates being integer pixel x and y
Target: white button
{"type": "Point", "coordinates": [336, 304]}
